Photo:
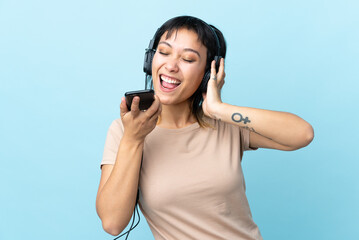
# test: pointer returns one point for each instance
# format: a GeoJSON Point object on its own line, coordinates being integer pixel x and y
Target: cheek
{"type": "Point", "coordinates": [195, 75]}
{"type": "Point", "coordinates": [154, 64]}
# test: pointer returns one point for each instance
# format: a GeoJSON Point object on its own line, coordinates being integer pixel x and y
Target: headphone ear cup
{"type": "Point", "coordinates": [207, 75]}
{"type": "Point", "coordinates": [204, 82]}
{"type": "Point", "coordinates": [147, 64]}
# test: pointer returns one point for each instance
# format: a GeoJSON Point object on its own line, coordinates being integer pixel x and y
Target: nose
{"type": "Point", "coordinates": [172, 65]}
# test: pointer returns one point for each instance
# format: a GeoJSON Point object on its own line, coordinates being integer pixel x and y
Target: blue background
{"type": "Point", "coordinates": [64, 66]}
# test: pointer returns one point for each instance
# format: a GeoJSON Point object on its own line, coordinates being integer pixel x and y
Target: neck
{"type": "Point", "coordinates": [176, 116]}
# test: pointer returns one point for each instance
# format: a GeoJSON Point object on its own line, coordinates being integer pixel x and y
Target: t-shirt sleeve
{"type": "Point", "coordinates": [245, 133]}
{"type": "Point", "coordinates": [114, 135]}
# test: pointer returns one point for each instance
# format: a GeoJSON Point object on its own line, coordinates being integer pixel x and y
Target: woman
{"type": "Point", "coordinates": [190, 179]}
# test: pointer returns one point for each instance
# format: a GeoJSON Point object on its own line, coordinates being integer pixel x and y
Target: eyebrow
{"type": "Point", "coordinates": [186, 49]}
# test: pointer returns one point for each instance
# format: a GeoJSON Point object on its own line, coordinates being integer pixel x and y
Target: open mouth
{"type": "Point", "coordinates": [169, 83]}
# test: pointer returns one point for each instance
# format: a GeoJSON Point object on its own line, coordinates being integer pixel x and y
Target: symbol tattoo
{"type": "Point", "coordinates": [237, 117]}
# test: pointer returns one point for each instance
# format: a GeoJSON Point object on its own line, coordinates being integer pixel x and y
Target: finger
{"type": "Point", "coordinates": [221, 74]}
{"type": "Point", "coordinates": [135, 109]}
{"type": "Point", "coordinates": [220, 85]}
{"type": "Point", "coordinates": [154, 107]}
{"type": "Point", "coordinates": [213, 71]}
{"type": "Point", "coordinates": [123, 107]}
{"type": "Point", "coordinates": [211, 86]}
{"type": "Point", "coordinates": [221, 65]}
{"type": "Point", "coordinates": [155, 116]}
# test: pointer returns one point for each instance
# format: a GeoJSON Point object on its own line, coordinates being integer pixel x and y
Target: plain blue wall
{"type": "Point", "coordinates": [64, 66]}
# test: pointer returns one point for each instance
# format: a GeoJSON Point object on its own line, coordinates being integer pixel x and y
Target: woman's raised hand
{"type": "Point", "coordinates": [212, 98]}
{"type": "Point", "coordinates": [137, 124]}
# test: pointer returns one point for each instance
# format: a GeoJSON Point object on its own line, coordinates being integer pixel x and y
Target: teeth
{"type": "Point", "coordinates": [169, 80]}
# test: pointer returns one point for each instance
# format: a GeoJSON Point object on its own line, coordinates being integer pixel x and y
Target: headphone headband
{"type": "Point", "coordinates": [217, 40]}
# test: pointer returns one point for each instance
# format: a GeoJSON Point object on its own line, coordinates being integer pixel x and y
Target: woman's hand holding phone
{"type": "Point", "coordinates": [138, 124]}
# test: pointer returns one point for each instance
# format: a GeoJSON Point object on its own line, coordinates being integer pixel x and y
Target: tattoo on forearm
{"type": "Point", "coordinates": [252, 130]}
{"type": "Point", "coordinates": [237, 117]}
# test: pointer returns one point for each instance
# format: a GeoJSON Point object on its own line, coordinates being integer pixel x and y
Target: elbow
{"type": "Point", "coordinates": [112, 225]}
{"type": "Point", "coordinates": [308, 135]}
{"type": "Point", "coordinates": [111, 228]}
{"type": "Point", "coordinates": [305, 137]}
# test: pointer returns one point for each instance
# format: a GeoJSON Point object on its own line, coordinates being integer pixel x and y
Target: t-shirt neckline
{"type": "Point", "coordinates": [189, 128]}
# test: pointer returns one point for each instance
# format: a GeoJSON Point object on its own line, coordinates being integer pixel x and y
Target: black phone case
{"type": "Point", "coordinates": [146, 98]}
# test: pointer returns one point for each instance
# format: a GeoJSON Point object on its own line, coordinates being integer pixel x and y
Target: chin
{"type": "Point", "coordinates": [170, 100]}
{"type": "Point", "coordinates": [166, 100]}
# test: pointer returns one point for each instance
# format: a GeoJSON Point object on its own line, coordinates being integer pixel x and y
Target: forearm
{"type": "Point", "coordinates": [117, 198]}
{"type": "Point", "coordinates": [284, 128]}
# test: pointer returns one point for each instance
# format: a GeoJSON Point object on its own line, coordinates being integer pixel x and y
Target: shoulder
{"type": "Point", "coordinates": [232, 132]}
{"type": "Point", "coordinates": [223, 129]}
{"type": "Point", "coordinates": [220, 125]}
{"type": "Point", "coordinates": [115, 131]}
{"type": "Point", "coordinates": [116, 125]}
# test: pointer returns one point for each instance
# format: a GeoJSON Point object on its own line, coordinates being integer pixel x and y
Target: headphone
{"type": "Point", "coordinates": [150, 52]}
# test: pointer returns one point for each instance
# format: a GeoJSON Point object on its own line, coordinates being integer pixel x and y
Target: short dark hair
{"type": "Point", "coordinates": [208, 39]}
{"type": "Point", "coordinates": [203, 31]}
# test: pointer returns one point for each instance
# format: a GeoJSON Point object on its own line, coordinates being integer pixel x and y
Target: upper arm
{"type": "Point", "coordinates": [258, 141]}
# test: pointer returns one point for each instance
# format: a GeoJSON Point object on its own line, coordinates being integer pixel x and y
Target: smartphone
{"type": "Point", "coordinates": [146, 98]}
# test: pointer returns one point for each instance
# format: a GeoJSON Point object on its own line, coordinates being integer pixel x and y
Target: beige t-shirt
{"type": "Point", "coordinates": [191, 183]}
